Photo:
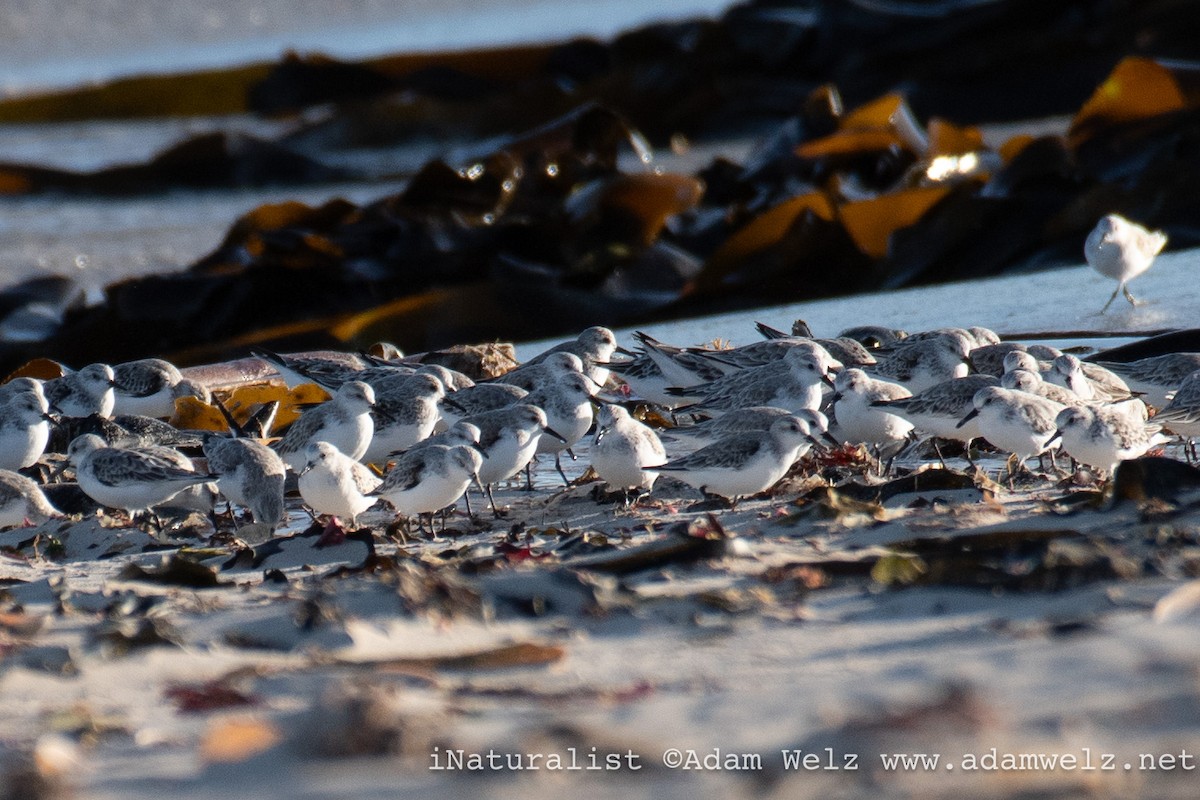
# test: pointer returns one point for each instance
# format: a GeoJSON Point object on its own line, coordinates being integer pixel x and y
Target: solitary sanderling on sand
{"type": "Point", "coordinates": [24, 430]}
{"type": "Point", "coordinates": [22, 501]}
{"type": "Point", "coordinates": [429, 479]}
{"type": "Point", "coordinates": [1156, 377]}
{"type": "Point", "coordinates": [251, 475]}
{"type": "Point", "coordinates": [858, 419]}
{"type": "Point", "coordinates": [1120, 249]}
{"type": "Point", "coordinates": [333, 483]}
{"type": "Point", "coordinates": [624, 449]}
{"type": "Point", "coordinates": [742, 464]}
{"type": "Point", "coordinates": [1101, 437]}
{"type": "Point", "coordinates": [80, 394]}
{"type": "Point", "coordinates": [131, 480]}
{"type": "Point", "coordinates": [345, 422]}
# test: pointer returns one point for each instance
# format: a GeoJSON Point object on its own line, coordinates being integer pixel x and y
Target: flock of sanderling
{"type": "Point", "coordinates": [419, 436]}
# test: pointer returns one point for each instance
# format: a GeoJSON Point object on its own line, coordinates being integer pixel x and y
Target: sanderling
{"type": "Point", "coordinates": [875, 337]}
{"type": "Point", "coordinates": [22, 501]}
{"type": "Point", "coordinates": [744, 463]}
{"type": "Point", "coordinates": [131, 480]}
{"type": "Point", "coordinates": [567, 402]}
{"type": "Point", "coordinates": [1156, 377]}
{"type": "Point", "coordinates": [1101, 385]}
{"type": "Point", "coordinates": [1023, 380]}
{"type": "Point", "coordinates": [937, 411]}
{"type": "Point", "coordinates": [1182, 415]}
{"type": "Point", "coordinates": [681, 367]}
{"type": "Point", "coordinates": [251, 475]}
{"type": "Point", "coordinates": [960, 335]}
{"type": "Point", "coordinates": [530, 376]}
{"type": "Point", "coordinates": [1017, 422]}
{"type": "Point", "coordinates": [797, 383]}
{"type": "Point", "coordinates": [333, 483]}
{"type": "Point", "coordinates": [405, 412]}
{"type": "Point", "coordinates": [478, 399]}
{"type": "Point", "coordinates": [645, 380]}
{"type": "Point", "coordinates": [373, 376]}
{"type": "Point", "coordinates": [124, 430]}
{"type": "Point", "coordinates": [460, 433]}
{"type": "Point", "coordinates": [335, 368]}
{"type": "Point", "coordinates": [429, 479]}
{"type": "Point", "coordinates": [197, 497]}
{"type": "Point", "coordinates": [849, 352]}
{"type": "Point", "coordinates": [18, 385]}
{"type": "Point", "coordinates": [145, 387]}
{"type": "Point", "coordinates": [1102, 437]}
{"type": "Point", "coordinates": [1021, 359]}
{"type": "Point", "coordinates": [989, 359]}
{"type": "Point", "coordinates": [345, 422]}
{"type": "Point", "coordinates": [594, 347]}
{"type": "Point", "coordinates": [1120, 249]}
{"type": "Point", "coordinates": [452, 379]}
{"type": "Point", "coordinates": [78, 394]}
{"type": "Point", "coordinates": [858, 420]}
{"type": "Point", "coordinates": [769, 353]}
{"type": "Point", "coordinates": [753, 418]}
{"type": "Point", "coordinates": [508, 438]}
{"type": "Point", "coordinates": [24, 431]}
{"type": "Point", "coordinates": [921, 364]}
{"type": "Point", "coordinates": [624, 451]}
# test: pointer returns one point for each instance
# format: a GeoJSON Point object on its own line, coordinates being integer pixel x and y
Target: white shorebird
{"type": "Point", "coordinates": [920, 364]}
{"type": "Point", "coordinates": [1023, 380]}
{"type": "Point", "coordinates": [742, 464]}
{"type": "Point", "coordinates": [334, 369]}
{"type": "Point", "coordinates": [796, 384]}
{"type": "Point", "coordinates": [146, 387]}
{"type": "Point", "coordinates": [22, 501]}
{"type": "Point", "coordinates": [478, 399]}
{"type": "Point", "coordinates": [251, 475]}
{"type": "Point", "coordinates": [131, 480]}
{"type": "Point", "coordinates": [1120, 249]}
{"type": "Point", "coordinates": [530, 376]}
{"type": "Point", "coordinates": [594, 347]}
{"type": "Point", "coordinates": [1156, 377]}
{"type": "Point", "coordinates": [752, 418]}
{"type": "Point", "coordinates": [345, 422]}
{"type": "Point", "coordinates": [83, 393]}
{"type": "Point", "coordinates": [429, 479]}
{"type": "Point", "coordinates": [1181, 416]}
{"type": "Point", "coordinates": [1017, 422]}
{"type": "Point", "coordinates": [24, 431]}
{"type": "Point", "coordinates": [859, 420]}
{"type": "Point", "coordinates": [508, 439]}
{"type": "Point", "coordinates": [1103, 437]}
{"type": "Point", "coordinates": [405, 412]}
{"type": "Point", "coordinates": [333, 483]}
{"type": "Point", "coordinates": [567, 402]}
{"type": "Point", "coordinates": [624, 451]}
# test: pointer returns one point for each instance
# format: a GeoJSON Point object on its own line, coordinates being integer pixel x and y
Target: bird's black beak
{"type": "Point", "coordinates": [1057, 435]}
{"type": "Point", "coordinates": [828, 380]}
{"type": "Point", "coordinates": [555, 434]}
{"type": "Point", "coordinates": [625, 352]}
{"type": "Point", "coordinates": [972, 414]}
{"type": "Point", "coordinates": [835, 397]}
{"type": "Point", "coordinates": [829, 437]}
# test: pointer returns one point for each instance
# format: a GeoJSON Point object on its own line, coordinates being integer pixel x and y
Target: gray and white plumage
{"type": "Point", "coordinates": [1095, 383]}
{"type": "Point", "coordinates": [23, 502]}
{"type": "Point", "coordinates": [79, 394]}
{"type": "Point", "coordinates": [145, 387]}
{"type": "Point", "coordinates": [645, 380]}
{"type": "Point", "coordinates": [1156, 377]}
{"type": "Point", "coordinates": [624, 449]}
{"type": "Point", "coordinates": [766, 353]}
{"type": "Point", "coordinates": [938, 410]}
{"type": "Point", "coordinates": [1023, 380]}
{"type": "Point", "coordinates": [460, 433]}
{"type": "Point", "coordinates": [24, 430]}
{"type": "Point", "coordinates": [333, 483]}
{"type": "Point", "coordinates": [121, 430]}
{"type": "Point", "coordinates": [530, 376]}
{"type": "Point", "coordinates": [429, 479]}
{"type": "Point", "coordinates": [920, 364]}
{"type": "Point", "coordinates": [200, 497]}
{"type": "Point", "coordinates": [132, 480]}
{"type": "Point", "coordinates": [1121, 250]}
{"type": "Point", "coordinates": [682, 367]}
{"type": "Point", "coordinates": [594, 346]}
{"type": "Point", "coordinates": [1182, 415]}
{"type": "Point", "coordinates": [989, 359]}
{"type": "Point", "coordinates": [752, 418]}
{"type": "Point", "coordinates": [451, 379]}
{"type": "Point", "coordinates": [18, 385]}
{"type": "Point", "coordinates": [372, 375]}
{"type": "Point", "coordinates": [508, 438]}
{"type": "Point", "coordinates": [1021, 359]}
{"type": "Point", "coordinates": [344, 421]}
{"type": "Point", "coordinates": [1017, 422]}
{"type": "Point", "coordinates": [478, 399]}
{"type": "Point", "coordinates": [858, 419]}
{"type": "Point", "coordinates": [567, 402]}
{"type": "Point", "coordinates": [744, 463]}
{"type": "Point", "coordinates": [1102, 437]}
{"type": "Point", "coordinates": [334, 369]}
{"type": "Point", "coordinates": [405, 412]}
{"type": "Point", "coordinates": [875, 337]}
{"type": "Point", "coordinates": [250, 474]}
{"type": "Point", "coordinates": [798, 382]}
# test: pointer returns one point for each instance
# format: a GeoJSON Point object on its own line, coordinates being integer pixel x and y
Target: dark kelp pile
{"type": "Point", "coordinates": [861, 182]}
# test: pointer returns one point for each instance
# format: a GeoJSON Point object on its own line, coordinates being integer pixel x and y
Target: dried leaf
{"type": "Point", "coordinates": [768, 228]}
{"type": "Point", "coordinates": [193, 414]}
{"type": "Point", "coordinates": [41, 368]}
{"type": "Point", "coordinates": [871, 223]}
{"type": "Point", "coordinates": [233, 740]}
